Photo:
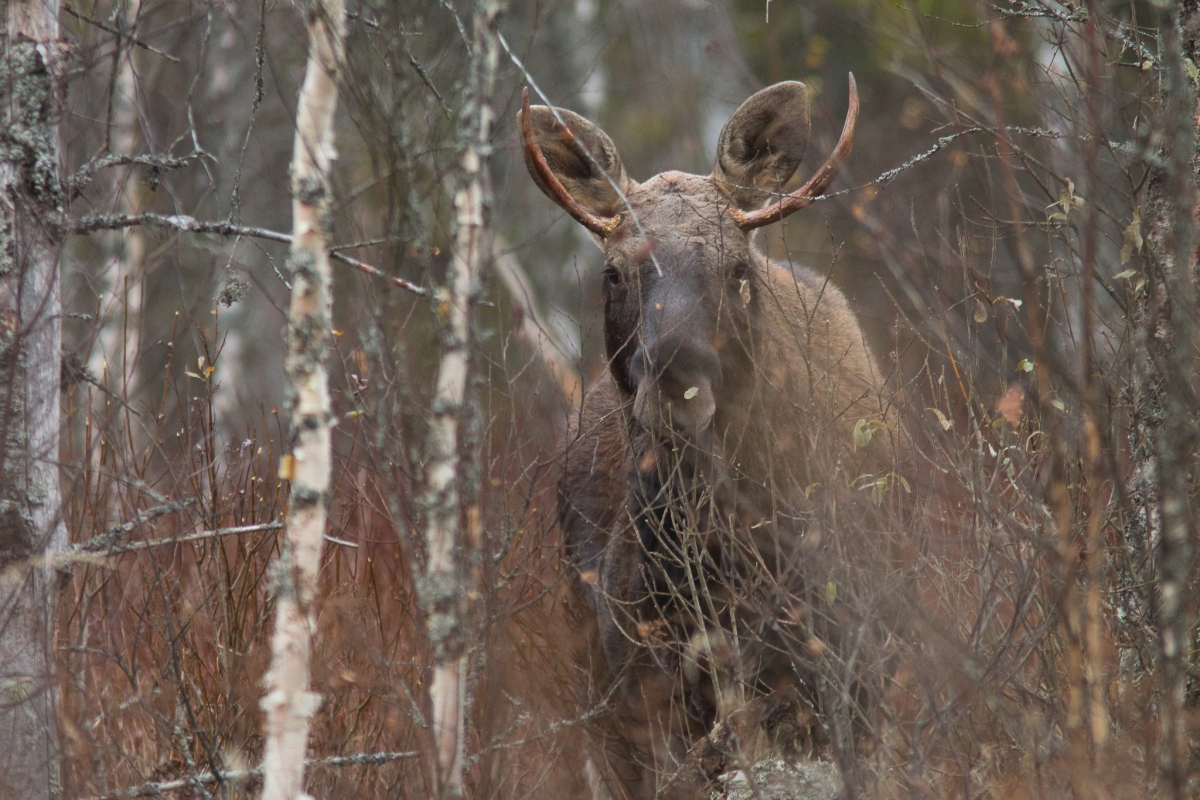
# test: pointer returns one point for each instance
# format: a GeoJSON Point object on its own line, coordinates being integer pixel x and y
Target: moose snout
{"type": "Point", "coordinates": [674, 385]}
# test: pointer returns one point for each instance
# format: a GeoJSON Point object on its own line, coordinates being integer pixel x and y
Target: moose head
{"type": "Point", "coordinates": [680, 272]}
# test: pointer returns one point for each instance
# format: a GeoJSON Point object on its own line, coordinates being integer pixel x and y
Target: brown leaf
{"type": "Point", "coordinates": [1011, 404]}
{"type": "Point", "coordinates": [981, 312]}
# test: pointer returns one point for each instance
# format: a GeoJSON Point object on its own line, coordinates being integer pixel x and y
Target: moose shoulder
{"type": "Point", "coordinates": [734, 386]}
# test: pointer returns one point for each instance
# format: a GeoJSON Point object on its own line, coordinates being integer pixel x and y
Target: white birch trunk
{"type": "Point", "coordinates": [30, 354]}
{"type": "Point", "coordinates": [444, 587]}
{"type": "Point", "coordinates": [289, 704]}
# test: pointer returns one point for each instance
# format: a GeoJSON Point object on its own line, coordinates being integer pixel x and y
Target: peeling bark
{"type": "Point", "coordinates": [289, 703]}
{"type": "Point", "coordinates": [31, 527]}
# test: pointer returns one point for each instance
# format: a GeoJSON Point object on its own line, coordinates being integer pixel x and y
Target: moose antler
{"type": "Point", "coordinates": [601, 226]}
{"type": "Point", "coordinates": [816, 185]}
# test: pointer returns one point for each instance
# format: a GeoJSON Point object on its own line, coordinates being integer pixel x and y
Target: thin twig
{"type": "Point", "coordinates": [122, 34]}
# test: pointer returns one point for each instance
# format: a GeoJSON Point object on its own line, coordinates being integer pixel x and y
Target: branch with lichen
{"type": "Point", "coordinates": [186, 224]}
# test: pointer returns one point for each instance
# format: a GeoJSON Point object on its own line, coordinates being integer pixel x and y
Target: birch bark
{"type": "Point", "coordinates": [289, 704]}
{"type": "Point", "coordinates": [31, 231]}
{"type": "Point", "coordinates": [444, 589]}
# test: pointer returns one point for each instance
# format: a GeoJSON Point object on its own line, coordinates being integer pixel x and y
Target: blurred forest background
{"type": "Point", "coordinates": [1014, 229]}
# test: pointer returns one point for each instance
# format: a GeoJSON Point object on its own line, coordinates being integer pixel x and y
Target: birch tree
{"type": "Point", "coordinates": [31, 230]}
{"type": "Point", "coordinates": [289, 703]}
{"type": "Point", "coordinates": [444, 588]}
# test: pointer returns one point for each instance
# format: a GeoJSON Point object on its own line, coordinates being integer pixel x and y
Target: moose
{"type": "Point", "coordinates": [734, 386]}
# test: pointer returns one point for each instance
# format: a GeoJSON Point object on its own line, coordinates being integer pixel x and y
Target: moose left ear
{"type": "Point", "coordinates": [762, 144]}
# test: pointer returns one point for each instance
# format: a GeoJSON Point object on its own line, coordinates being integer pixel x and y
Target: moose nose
{"type": "Point", "coordinates": [674, 384]}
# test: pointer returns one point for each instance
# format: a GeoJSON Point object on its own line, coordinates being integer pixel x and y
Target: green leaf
{"type": "Point", "coordinates": [863, 432]}
{"type": "Point", "coordinates": [1025, 365]}
{"type": "Point", "coordinates": [830, 591]}
{"type": "Point", "coordinates": [692, 392]}
{"type": "Point", "coordinates": [1133, 237]}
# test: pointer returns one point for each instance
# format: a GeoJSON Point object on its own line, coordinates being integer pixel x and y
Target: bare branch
{"type": "Point", "coordinates": [158, 788]}
{"type": "Point", "coordinates": [119, 33]}
{"type": "Point", "coordinates": [186, 224]}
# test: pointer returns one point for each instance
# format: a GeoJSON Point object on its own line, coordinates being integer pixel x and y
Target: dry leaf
{"type": "Point", "coordinates": [981, 313]}
{"type": "Point", "coordinates": [1011, 404]}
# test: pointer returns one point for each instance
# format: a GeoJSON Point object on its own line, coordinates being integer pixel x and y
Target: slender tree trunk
{"type": "Point", "coordinates": [289, 704]}
{"type": "Point", "coordinates": [1165, 440]}
{"type": "Point", "coordinates": [31, 525]}
{"type": "Point", "coordinates": [120, 338]}
{"type": "Point", "coordinates": [443, 589]}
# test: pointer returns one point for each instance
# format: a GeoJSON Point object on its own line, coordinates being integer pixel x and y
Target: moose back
{"type": "Point", "coordinates": [734, 386]}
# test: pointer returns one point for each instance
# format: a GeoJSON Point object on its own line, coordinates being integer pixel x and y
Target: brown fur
{"type": "Point", "coordinates": [733, 387]}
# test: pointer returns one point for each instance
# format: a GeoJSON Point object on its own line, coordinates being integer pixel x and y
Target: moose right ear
{"type": "Point", "coordinates": [762, 144]}
{"type": "Point", "coordinates": [589, 181]}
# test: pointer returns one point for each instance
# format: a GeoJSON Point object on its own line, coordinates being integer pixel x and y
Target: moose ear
{"type": "Point", "coordinates": [588, 180]}
{"type": "Point", "coordinates": [762, 144]}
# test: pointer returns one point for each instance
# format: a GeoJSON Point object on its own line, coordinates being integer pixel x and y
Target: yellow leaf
{"type": "Point", "coordinates": [287, 466]}
{"type": "Point", "coordinates": [1133, 237]}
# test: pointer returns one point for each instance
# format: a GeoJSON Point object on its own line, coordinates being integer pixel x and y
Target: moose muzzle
{"type": "Point", "coordinates": [674, 384]}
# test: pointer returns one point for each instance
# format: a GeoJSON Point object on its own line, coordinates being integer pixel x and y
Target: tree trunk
{"type": "Point", "coordinates": [30, 353]}
{"type": "Point", "coordinates": [289, 704]}
{"type": "Point", "coordinates": [1165, 438]}
{"type": "Point", "coordinates": [120, 338]}
{"type": "Point", "coordinates": [443, 588]}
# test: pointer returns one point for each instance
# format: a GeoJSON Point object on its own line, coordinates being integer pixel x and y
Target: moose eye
{"type": "Point", "coordinates": [612, 277]}
{"type": "Point", "coordinates": [738, 273]}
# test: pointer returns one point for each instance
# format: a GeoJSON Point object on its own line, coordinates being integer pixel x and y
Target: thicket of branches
{"type": "Point", "coordinates": [1011, 611]}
